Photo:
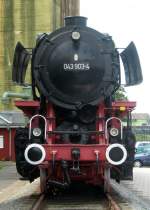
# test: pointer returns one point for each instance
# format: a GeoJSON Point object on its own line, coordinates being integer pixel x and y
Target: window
{"type": "Point", "coordinates": [1, 142]}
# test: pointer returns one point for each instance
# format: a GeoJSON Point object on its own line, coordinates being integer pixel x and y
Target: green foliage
{"type": "Point", "coordinates": [142, 137]}
{"type": "Point", "coordinates": [121, 94]}
{"type": "Point", "coordinates": [139, 122]}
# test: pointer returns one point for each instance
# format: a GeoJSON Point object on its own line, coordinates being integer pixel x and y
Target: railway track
{"type": "Point", "coordinates": [80, 197]}
{"type": "Point", "coordinates": [76, 200]}
{"type": "Point", "coordinates": [43, 203]}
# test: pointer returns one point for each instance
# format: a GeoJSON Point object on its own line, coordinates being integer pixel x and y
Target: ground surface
{"type": "Point", "coordinates": [8, 174]}
{"type": "Point", "coordinates": [137, 191]}
{"type": "Point", "coordinates": [141, 183]}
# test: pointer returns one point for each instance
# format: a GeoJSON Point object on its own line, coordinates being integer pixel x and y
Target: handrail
{"type": "Point", "coordinates": [30, 122]}
{"type": "Point", "coordinates": [106, 126]}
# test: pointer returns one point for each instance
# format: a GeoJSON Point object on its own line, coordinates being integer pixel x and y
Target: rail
{"type": "Point", "coordinates": [40, 204]}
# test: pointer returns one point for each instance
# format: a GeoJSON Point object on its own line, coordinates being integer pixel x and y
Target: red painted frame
{"type": "Point", "coordinates": [63, 151]}
{"type": "Point", "coordinates": [88, 153]}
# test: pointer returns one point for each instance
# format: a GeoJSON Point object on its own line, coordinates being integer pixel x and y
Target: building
{"type": "Point", "coordinates": [141, 126]}
{"type": "Point", "coordinates": [9, 121]}
{"type": "Point", "coordinates": [22, 20]}
{"type": "Point", "coordinates": [140, 119]}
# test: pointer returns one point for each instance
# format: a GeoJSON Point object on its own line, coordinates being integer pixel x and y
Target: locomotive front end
{"type": "Point", "coordinates": [75, 131]}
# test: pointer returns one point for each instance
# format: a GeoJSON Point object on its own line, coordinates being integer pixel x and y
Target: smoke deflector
{"type": "Point", "coordinates": [132, 67]}
{"type": "Point", "coordinates": [20, 63]}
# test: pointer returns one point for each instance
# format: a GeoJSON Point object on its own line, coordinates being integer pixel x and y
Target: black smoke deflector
{"type": "Point", "coordinates": [20, 63]}
{"type": "Point", "coordinates": [132, 67]}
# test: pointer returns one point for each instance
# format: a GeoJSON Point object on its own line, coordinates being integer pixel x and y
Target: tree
{"type": "Point", "coordinates": [121, 94]}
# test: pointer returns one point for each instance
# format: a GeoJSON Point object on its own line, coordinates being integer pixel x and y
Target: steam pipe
{"type": "Point", "coordinates": [9, 94]}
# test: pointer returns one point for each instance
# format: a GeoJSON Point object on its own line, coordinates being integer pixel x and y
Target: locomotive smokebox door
{"type": "Point", "coordinates": [73, 67]}
{"type": "Point", "coordinates": [131, 62]}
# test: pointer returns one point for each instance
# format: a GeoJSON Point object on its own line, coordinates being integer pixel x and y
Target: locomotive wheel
{"type": "Point", "coordinates": [43, 180]}
{"type": "Point", "coordinates": [26, 170]}
{"type": "Point", "coordinates": [21, 139]}
{"type": "Point", "coordinates": [107, 180]}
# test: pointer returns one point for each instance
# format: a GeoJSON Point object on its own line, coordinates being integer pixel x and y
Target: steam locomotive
{"type": "Point", "coordinates": [77, 131]}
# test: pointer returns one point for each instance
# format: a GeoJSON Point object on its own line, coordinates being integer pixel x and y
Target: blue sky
{"type": "Point", "coordinates": [125, 21]}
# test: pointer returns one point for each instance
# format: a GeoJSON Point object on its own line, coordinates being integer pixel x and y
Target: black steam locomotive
{"type": "Point", "coordinates": [75, 131]}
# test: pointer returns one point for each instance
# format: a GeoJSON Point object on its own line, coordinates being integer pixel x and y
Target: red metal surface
{"type": "Point", "coordinates": [128, 104]}
{"type": "Point", "coordinates": [100, 124]}
{"type": "Point", "coordinates": [87, 152]}
{"type": "Point", "coordinates": [28, 107]}
{"type": "Point", "coordinates": [51, 124]}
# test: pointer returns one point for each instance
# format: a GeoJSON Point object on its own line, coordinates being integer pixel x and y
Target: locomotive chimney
{"type": "Point", "coordinates": [75, 20]}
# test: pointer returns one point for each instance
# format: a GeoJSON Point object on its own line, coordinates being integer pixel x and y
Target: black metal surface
{"type": "Point", "coordinates": [20, 63]}
{"type": "Point", "coordinates": [116, 154]}
{"type": "Point", "coordinates": [76, 20]}
{"type": "Point", "coordinates": [75, 153]}
{"type": "Point", "coordinates": [131, 62]}
{"type": "Point", "coordinates": [72, 74]}
{"type": "Point", "coordinates": [67, 181]}
{"type": "Point", "coordinates": [21, 141]}
{"type": "Point", "coordinates": [76, 132]}
{"type": "Point", "coordinates": [34, 154]}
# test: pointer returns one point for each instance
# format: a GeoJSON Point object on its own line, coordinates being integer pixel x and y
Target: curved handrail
{"type": "Point", "coordinates": [30, 123]}
{"type": "Point", "coordinates": [106, 126]}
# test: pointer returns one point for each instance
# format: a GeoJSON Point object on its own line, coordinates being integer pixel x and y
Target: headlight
{"type": "Point", "coordinates": [37, 132]}
{"type": "Point", "coordinates": [75, 35]}
{"type": "Point", "coordinates": [114, 132]}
